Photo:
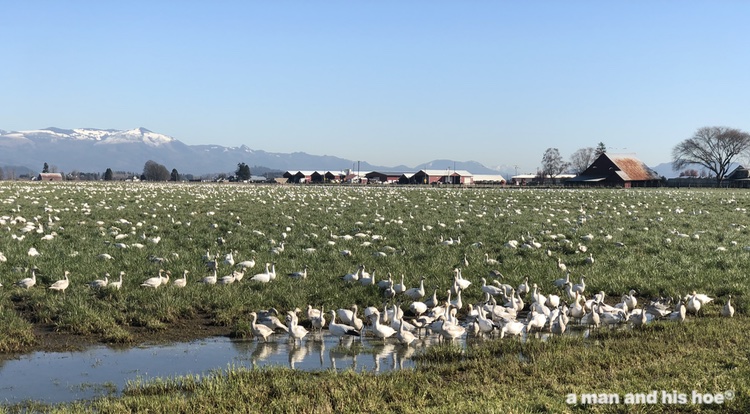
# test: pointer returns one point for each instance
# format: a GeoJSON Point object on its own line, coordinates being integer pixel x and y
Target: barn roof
{"type": "Point", "coordinates": [488, 177]}
{"type": "Point", "coordinates": [631, 168]}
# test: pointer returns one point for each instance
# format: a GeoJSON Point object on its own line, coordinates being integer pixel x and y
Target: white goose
{"type": "Point", "coordinates": [580, 287]}
{"type": "Point", "coordinates": [117, 285]}
{"type": "Point", "coordinates": [400, 287]}
{"type": "Point", "coordinates": [210, 280]}
{"type": "Point", "coordinates": [100, 283]}
{"type": "Point", "coordinates": [350, 317]}
{"type": "Point", "coordinates": [264, 277]}
{"type": "Point", "coordinates": [416, 293]}
{"type": "Point", "coordinates": [728, 309]}
{"type": "Point", "coordinates": [29, 281]}
{"type": "Point", "coordinates": [693, 304]}
{"type": "Point", "coordinates": [299, 275]}
{"type": "Point", "coordinates": [61, 284]}
{"type": "Point", "coordinates": [381, 331]}
{"type": "Point", "coordinates": [630, 299]}
{"type": "Point", "coordinates": [490, 289]}
{"type": "Point", "coordinates": [489, 261]}
{"type": "Point", "coordinates": [340, 329]}
{"type": "Point", "coordinates": [295, 331]}
{"type": "Point", "coordinates": [154, 282]}
{"type": "Point", "coordinates": [403, 336]}
{"type": "Point", "coordinates": [181, 282]}
{"type": "Point", "coordinates": [259, 330]}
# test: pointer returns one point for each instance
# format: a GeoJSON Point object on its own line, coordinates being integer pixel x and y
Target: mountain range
{"type": "Point", "coordinates": [95, 150]}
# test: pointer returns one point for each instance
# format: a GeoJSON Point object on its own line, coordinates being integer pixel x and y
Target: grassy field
{"type": "Point", "coordinates": [659, 242]}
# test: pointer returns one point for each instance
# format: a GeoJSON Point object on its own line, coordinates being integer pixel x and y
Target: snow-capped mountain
{"type": "Point", "coordinates": [95, 150]}
{"type": "Point", "coordinates": [101, 136]}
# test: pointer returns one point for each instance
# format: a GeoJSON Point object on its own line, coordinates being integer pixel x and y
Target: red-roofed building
{"type": "Point", "coordinates": [617, 170]}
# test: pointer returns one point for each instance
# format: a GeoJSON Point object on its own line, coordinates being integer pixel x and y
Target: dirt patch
{"type": "Point", "coordinates": [185, 330]}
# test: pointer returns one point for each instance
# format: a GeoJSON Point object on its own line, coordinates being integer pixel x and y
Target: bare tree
{"type": "Point", "coordinates": [552, 164]}
{"type": "Point", "coordinates": [713, 148]}
{"type": "Point", "coordinates": [581, 159]}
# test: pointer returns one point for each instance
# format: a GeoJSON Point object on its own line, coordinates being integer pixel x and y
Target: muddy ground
{"type": "Point", "coordinates": [49, 340]}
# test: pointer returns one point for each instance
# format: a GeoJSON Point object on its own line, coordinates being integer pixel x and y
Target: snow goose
{"type": "Point", "coordinates": [154, 282]}
{"type": "Point", "coordinates": [462, 283]}
{"type": "Point", "coordinates": [117, 285]}
{"type": "Point", "coordinates": [379, 330]}
{"type": "Point", "coordinates": [580, 287]}
{"type": "Point", "coordinates": [416, 293]}
{"type": "Point", "coordinates": [350, 317]}
{"type": "Point", "coordinates": [353, 277]}
{"type": "Point", "coordinates": [246, 264]}
{"type": "Point", "coordinates": [560, 283]}
{"type": "Point", "coordinates": [100, 283]}
{"type": "Point", "coordinates": [295, 331]}
{"type": "Point", "coordinates": [490, 261]}
{"type": "Point", "coordinates": [269, 318]}
{"type": "Point", "coordinates": [400, 287]}
{"type": "Point", "coordinates": [403, 336]}
{"type": "Point", "coordinates": [490, 289]}
{"type": "Point", "coordinates": [728, 309]}
{"type": "Point", "coordinates": [29, 281]}
{"type": "Point", "coordinates": [264, 277]}
{"type": "Point", "coordinates": [318, 321]}
{"type": "Point", "coordinates": [523, 288]}
{"type": "Point", "coordinates": [340, 329]}
{"type": "Point", "coordinates": [210, 280]}
{"type": "Point", "coordinates": [693, 304]}
{"type": "Point", "coordinates": [512, 328]}
{"type": "Point", "coordinates": [181, 282]}
{"type": "Point", "coordinates": [679, 313]}
{"type": "Point", "coordinates": [449, 330]}
{"type": "Point", "coordinates": [630, 299]}
{"type": "Point", "coordinates": [61, 284]}
{"type": "Point", "coordinates": [259, 330]}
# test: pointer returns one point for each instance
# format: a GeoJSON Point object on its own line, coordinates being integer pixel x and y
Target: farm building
{"type": "Point", "coordinates": [49, 177]}
{"type": "Point", "coordinates": [385, 177]}
{"type": "Point", "coordinates": [523, 179]}
{"type": "Point", "coordinates": [535, 179]}
{"type": "Point", "coordinates": [296, 177]}
{"type": "Point", "coordinates": [441, 176]}
{"type": "Point", "coordinates": [620, 170]}
{"type": "Point", "coordinates": [488, 179]}
{"type": "Point", "coordinates": [740, 177]}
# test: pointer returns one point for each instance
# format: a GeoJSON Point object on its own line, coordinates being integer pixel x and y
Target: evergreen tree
{"type": "Point", "coordinates": [175, 176]}
{"type": "Point", "coordinates": [243, 172]}
{"type": "Point", "coordinates": [45, 169]}
{"type": "Point", "coordinates": [600, 149]}
{"type": "Point", "coordinates": [108, 175]}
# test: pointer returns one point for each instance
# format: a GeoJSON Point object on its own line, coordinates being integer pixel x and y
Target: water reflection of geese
{"type": "Point", "coordinates": [297, 354]}
{"type": "Point", "coordinates": [403, 353]}
{"type": "Point", "coordinates": [383, 352]}
{"type": "Point", "coordinates": [344, 351]}
{"type": "Point", "coordinates": [262, 351]}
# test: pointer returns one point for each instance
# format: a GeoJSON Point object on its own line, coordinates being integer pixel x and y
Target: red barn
{"type": "Point", "coordinates": [617, 170]}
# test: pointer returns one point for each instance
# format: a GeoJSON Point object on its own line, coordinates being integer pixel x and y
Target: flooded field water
{"type": "Point", "coordinates": [66, 376]}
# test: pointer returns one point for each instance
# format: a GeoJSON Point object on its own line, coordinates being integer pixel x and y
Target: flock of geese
{"type": "Point", "coordinates": [505, 310]}
{"type": "Point", "coordinates": [408, 313]}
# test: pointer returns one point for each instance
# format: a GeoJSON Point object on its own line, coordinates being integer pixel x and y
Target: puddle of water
{"type": "Point", "coordinates": [52, 377]}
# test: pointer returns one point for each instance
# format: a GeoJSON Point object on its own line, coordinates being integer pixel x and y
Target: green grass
{"type": "Point", "coordinates": [191, 219]}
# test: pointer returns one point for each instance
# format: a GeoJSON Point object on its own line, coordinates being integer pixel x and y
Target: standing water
{"type": "Point", "coordinates": [53, 377]}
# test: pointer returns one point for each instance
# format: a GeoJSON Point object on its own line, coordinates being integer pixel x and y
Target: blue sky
{"type": "Point", "coordinates": [388, 82]}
